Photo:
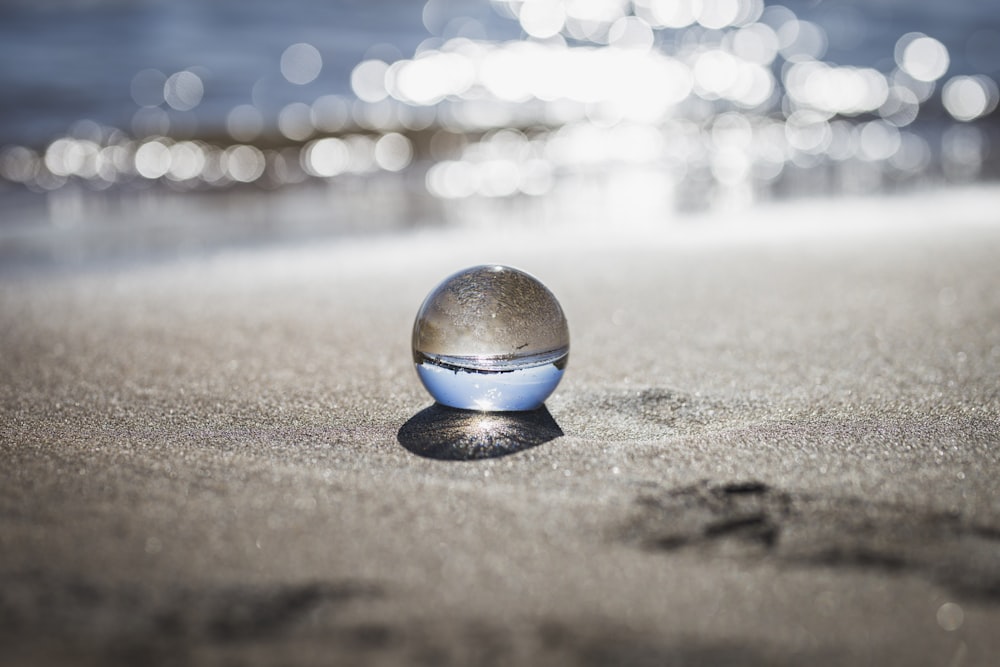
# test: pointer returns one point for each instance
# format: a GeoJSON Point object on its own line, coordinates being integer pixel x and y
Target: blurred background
{"type": "Point", "coordinates": [142, 128]}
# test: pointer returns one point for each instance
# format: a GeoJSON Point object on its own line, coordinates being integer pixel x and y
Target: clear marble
{"type": "Point", "coordinates": [490, 338]}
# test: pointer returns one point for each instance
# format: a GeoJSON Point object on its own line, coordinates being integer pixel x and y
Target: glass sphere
{"type": "Point", "coordinates": [490, 338]}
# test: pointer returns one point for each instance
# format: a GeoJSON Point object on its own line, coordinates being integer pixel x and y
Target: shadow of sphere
{"type": "Point", "coordinates": [449, 434]}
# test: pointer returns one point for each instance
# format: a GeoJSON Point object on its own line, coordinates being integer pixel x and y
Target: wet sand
{"type": "Point", "coordinates": [777, 443]}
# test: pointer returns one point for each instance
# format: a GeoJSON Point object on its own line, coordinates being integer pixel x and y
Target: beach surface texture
{"type": "Point", "coordinates": [777, 442]}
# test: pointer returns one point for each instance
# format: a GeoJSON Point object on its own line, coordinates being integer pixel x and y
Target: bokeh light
{"type": "Point", "coordinates": [922, 57]}
{"type": "Point", "coordinates": [152, 159]}
{"type": "Point", "coordinates": [326, 157]}
{"type": "Point", "coordinates": [969, 97]}
{"type": "Point", "coordinates": [368, 80]}
{"type": "Point", "coordinates": [393, 152]}
{"type": "Point", "coordinates": [295, 121]}
{"type": "Point", "coordinates": [301, 63]}
{"type": "Point", "coordinates": [183, 90]}
{"type": "Point", "coordinates": [243, 163]}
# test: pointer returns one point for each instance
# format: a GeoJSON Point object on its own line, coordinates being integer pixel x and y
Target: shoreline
{"type": "Point", "coordinates": [149, 228]}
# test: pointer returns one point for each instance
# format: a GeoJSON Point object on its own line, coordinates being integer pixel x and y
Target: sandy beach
{"type": "Point", "coordinates": [777, 443]}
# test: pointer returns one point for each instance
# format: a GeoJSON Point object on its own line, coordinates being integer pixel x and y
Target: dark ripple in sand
{"type": "Point", "coordinates": [119, 624]}
{"type": "Point", "coordinates": [73, 621]}
{"type": "Point", "coordinates": [646, 413]}
{"type": "Point", "coordinates": [750, 519]}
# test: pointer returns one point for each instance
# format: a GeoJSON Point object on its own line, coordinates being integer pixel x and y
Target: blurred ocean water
{"type": "Point", "coordinates": [472, 108]}
{"type": "Point", "coordinates": [67, 60]}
